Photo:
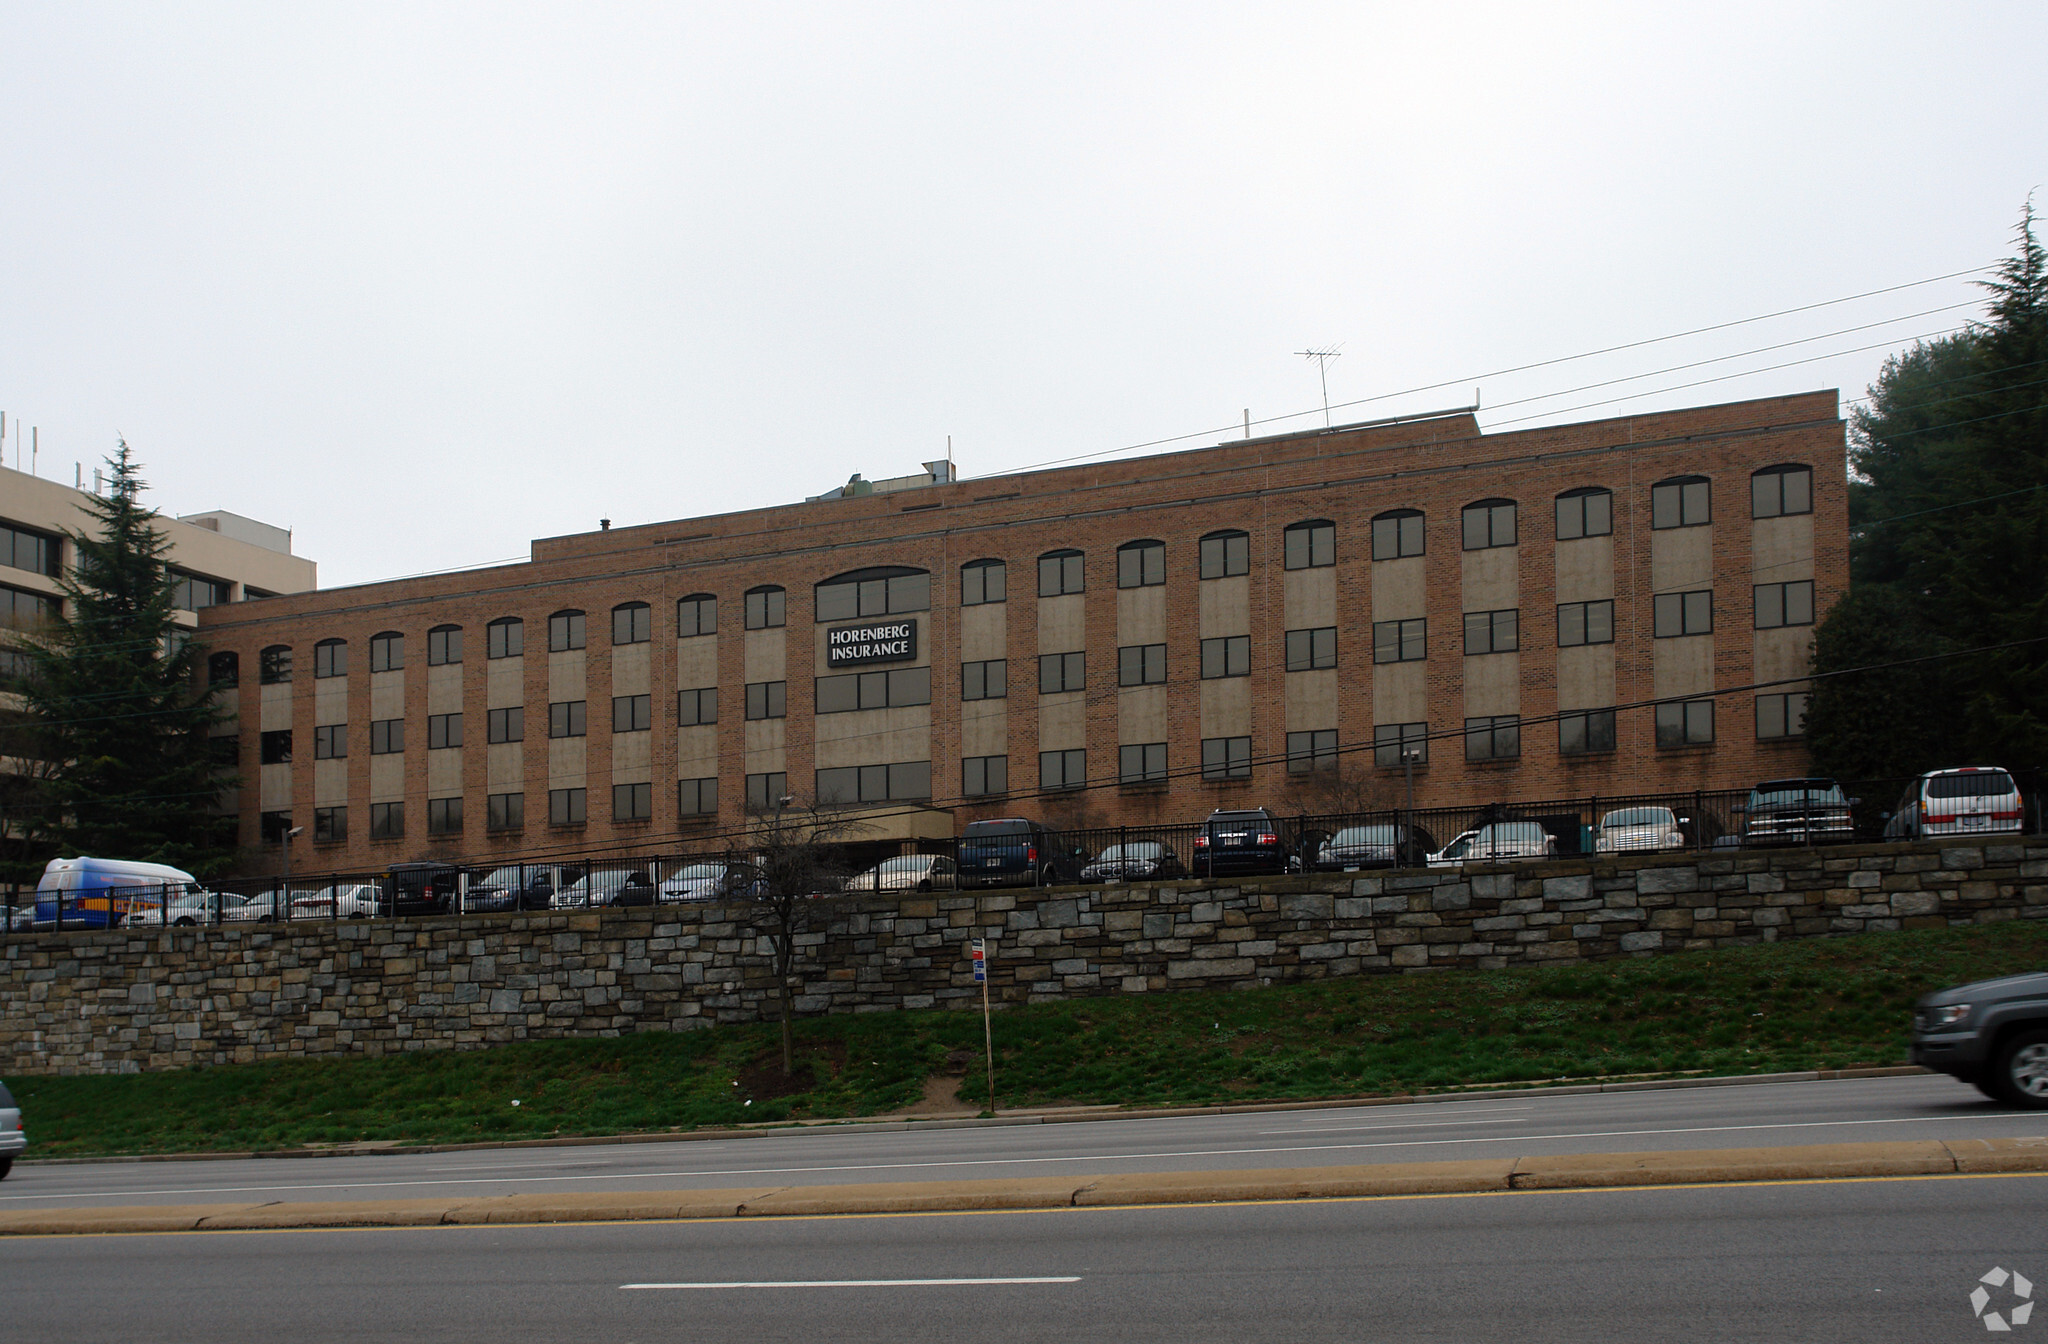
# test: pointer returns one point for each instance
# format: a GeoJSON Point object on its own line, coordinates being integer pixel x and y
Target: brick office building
{"type": "Point", "coordinates": [1136, 640]}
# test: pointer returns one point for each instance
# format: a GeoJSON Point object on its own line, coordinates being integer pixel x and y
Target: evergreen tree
{"type": "Point", "coordinates": [115, 697]}
{"type": "Point", "coordinates": [1948, 549]}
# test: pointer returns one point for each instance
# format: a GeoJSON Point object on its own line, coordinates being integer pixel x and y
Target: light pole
{"type": "Point", "coordinates": [1408, 758]}
{"type": "Point", "coordinates": [279, 910]}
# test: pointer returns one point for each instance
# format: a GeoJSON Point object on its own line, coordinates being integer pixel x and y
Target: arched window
{"type": "Point", "coordinates": [330, 658]}
{"type": "Point", "coordinates": [1585, 512]}
{"type": "Point", "coordinates": [1310, 545]}
{"type": "Point", "coordinates": [387, 651]}
{"type": "Point", "coordinates": [565, 631]}
{"type": "Point", "coordinates": [1489, 523]}
{"type": "Point", "coordinates": [697, 614]}
{"type": "Point", "coordinates": [444, 645]}
{"type": "Point", "coordinates": [1060, 572]}
{"type": "Point", "coordinates": [505, 638]}
{"type": "Point", "coordinates": [883, 590]}
{"type": "Point", "coordinates": [224, 669]}
{"type": "Point", "coordinates": [983, 581]}
{"type": "Point", "coordinates": [1681, 501]}
{"type": "Point", "coordinates": [1141, 564]}
{"type": "Point", "coordinates": [766, 607]}
{"type": "Point", "coordinates": [1226, 554]}
{"type": "Point", "coordinates": [632, 623]}
{"type": "Point", "coordinates": [1779, 491]}
{"type": "Point", "coordinates": [1396, 534]}
{"type": "Point", "coordinates": [274, 665]}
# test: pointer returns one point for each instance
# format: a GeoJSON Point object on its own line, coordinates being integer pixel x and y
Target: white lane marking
{"type": "Point", "coordinates": [2001, 1118]}
{"type": "Point", "coordinates": [861, 1283]}
{"type": "Point", "coordinates": [1346, 1129]}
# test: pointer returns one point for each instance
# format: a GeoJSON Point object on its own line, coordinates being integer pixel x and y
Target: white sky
{"type": "Point", "coordinates": [425, 281]}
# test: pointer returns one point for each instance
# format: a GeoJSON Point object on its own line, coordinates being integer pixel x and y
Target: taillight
{"type": "Point", "coordinates": [1201, 842]}
{"type": "Point", "coordinates": [1031, 855]}
{"type": "Point", "coordinates": [1268, 838]}
{"type": "Point", "coordinates": [2013, 815]}
{"type": "Point", "coordinates": [1934, 820]}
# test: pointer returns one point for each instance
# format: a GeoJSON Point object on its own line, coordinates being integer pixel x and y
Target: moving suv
{"type": "Point", "coordinates": [1243, 840]}
{"type": "Point", "coordinates": [1992, 1034]}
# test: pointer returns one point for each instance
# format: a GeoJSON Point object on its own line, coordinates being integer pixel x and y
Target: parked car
{"type": "Point", "coordinates": [1016, 851]}
{"type": "Point", "coordinates": [907, 872]}
{"type": "Point", "coordinates": [1383, 845]}
{"type": "Point", "coordinates": [1966, 800]}
{"type": "Point", "coordinates": [607, 886]}
{"type": "Point", "coordinates": [266, 907]}
{"type": "Point", "coordinates": [343, 900]}
{"type": "Point", "coordinates": [1144, 860]}
{"type": "Point", "coordinates": [13, 1138]}
{"type": "Point", "coordinates": [21, 918]}
{"type": "Point", "coordinates": [1244, 840]}
{"type": "Point", "coordinates": [1992, 1034]}
{"type": "Point", "coordinates": [1797, 812]}
{"type": "Point", "coordinates": [1497, 842]}
{"type": "Point", "coordinates": [1629, 829]}
{"type": "Point", "coordinates": [190, 910]}
{"type": "Point", "coordinates": [520, 886]}
{"type": "Point", "coordinates": [418, 889]}
{"type": "Point", "coordinates": [714, 880]}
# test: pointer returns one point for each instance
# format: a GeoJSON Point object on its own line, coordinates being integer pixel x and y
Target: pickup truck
{"type": "Point", "coordinates": [1992, 1034]}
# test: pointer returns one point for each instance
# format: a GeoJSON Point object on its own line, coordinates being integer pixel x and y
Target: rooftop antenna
{"type": "Point", "coordinates": [1322, 359]}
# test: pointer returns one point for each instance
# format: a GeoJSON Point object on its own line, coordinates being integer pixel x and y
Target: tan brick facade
{"type": "Point", "coordinates": [1344, 477]}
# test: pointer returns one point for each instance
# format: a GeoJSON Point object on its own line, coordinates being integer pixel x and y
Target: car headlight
{"type": "Point", "coordinates": [1947, 1015]}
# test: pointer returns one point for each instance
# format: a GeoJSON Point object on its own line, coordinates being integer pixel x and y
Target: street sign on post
{"type": "Point", "coordinates": [978, 950]}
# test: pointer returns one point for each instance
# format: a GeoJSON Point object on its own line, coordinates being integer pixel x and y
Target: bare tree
{"type": "Point", "coordinates": [795, 852]}
{"type": "Point", "coordinates": [1348, 788]}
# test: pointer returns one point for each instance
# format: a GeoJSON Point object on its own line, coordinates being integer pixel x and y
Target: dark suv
{"type": "Point", "coordinates": [1992, 1034]}
{"type": "Point", "coordinates": [418, 889]}
{"type": "Point", "coordinates": [1244, 840]}
{"type": "Point", "coordinates": [1013, 852]}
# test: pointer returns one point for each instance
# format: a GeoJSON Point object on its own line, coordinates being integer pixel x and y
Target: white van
{"type": "Point", "coordinates": [85, 893]}
{"type": "Point", "coordinates": [1966, 800]}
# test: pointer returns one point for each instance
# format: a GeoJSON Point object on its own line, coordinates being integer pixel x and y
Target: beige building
{"type": "Point", "coordinates": [218, 557]}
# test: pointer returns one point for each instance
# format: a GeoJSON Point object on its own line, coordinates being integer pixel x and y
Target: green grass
{"type": "Point", "coordinates": [1832, 1003]}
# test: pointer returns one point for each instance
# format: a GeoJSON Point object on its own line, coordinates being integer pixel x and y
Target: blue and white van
{"type": "Point", "coordinates": [87, 893]}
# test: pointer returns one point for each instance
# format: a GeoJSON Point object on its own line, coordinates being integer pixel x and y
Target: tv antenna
{"type": "Point", "coordinates": [1322, 359]}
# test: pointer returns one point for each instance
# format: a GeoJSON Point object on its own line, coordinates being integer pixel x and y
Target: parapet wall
{"type": "Point", "coordinates": [164, 999]}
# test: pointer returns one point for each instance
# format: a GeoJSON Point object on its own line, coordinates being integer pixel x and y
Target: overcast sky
{"type": "Point", "coordinates": [425, 281]}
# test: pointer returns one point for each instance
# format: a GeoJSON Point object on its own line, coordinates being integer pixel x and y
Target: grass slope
{"type": "Point", "coordinates": [1829, 1003]}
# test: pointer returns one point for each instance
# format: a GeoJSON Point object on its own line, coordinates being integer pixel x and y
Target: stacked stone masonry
{"type": "Point", "coordinates": [126, 1002]}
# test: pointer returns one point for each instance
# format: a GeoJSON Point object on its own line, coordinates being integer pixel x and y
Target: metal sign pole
{"type": "Point", "coordinates": [979, 952]}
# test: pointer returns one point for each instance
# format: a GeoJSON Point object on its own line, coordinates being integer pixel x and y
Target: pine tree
{"type": "Point", "coordinates": [116, 699]}
{"type": "Point", "coordinates": [1949, 550]}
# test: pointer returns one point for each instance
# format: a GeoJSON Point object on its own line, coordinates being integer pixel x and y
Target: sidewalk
{"type": "Point", "coordinates": [1840, 1161]}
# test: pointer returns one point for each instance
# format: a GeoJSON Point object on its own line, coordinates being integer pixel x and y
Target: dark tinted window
{"type": "Point", "coordinates": [1977, 784]}
{"type": "Point", "coordinates": [1006, 827]}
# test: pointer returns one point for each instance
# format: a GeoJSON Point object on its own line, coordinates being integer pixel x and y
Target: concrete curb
{"type": "Point", "coordinates": [1583, 1171]}
{"type": "Point", "coordinates": [1056, 1116]}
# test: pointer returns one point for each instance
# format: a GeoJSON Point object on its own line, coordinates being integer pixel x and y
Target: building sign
{"type": "Point", "coordinates": [881, 642]}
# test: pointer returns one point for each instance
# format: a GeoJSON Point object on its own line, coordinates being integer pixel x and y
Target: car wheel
{"type": "Point", "coordinates": [925, 885]}
{"type": "Point", "coordinates": [6, 1165]}
{"type": "Point", "coordinates": [2020, 1073]}
{"type": "Point", "coordinates": [186, 923]}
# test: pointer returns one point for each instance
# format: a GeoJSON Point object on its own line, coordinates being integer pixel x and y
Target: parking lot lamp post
{"type": "Point", "coordinates": [284, 885]}
{"type": "Point", "coordinates": [1408, 755]}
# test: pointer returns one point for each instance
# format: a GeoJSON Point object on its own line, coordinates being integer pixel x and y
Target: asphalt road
{"type": "Point", "coordinates": [1513, 1124]}
{"type": "Point", "coordinates": [1867, 1261]}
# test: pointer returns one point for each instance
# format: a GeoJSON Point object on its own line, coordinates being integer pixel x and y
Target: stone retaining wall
{"type": "Point", "coordinates": [160, 999]}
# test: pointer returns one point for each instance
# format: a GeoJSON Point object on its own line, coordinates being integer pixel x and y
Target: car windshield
{"type": "Point", "coordinates": [1456, 849]}
{"type": "Point", "coordinates": [511, 875]}
{"type": "Point", "coordinates": [1240, 819]}
{"type": "Point", "coordinates": [907, 863]}
{"type": "Point", "coordinates": [1975, 784]}
{"type": "Point", "coordinates": [1137, 849]}
{"type": "Point", "coordinates": [699, 872]}
{"type": "Point", "coordinates": [1364, 835]}
{"type": "Point", "coordinates": [1798, 792]}
{"type": "Point", "coordinates": [1639, 816]}
{"type": "Point", "coordinates": [1515, 830]}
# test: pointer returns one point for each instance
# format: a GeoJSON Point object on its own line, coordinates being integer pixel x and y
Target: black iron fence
{"type": "Point", "coordinates": [1303, 842]}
